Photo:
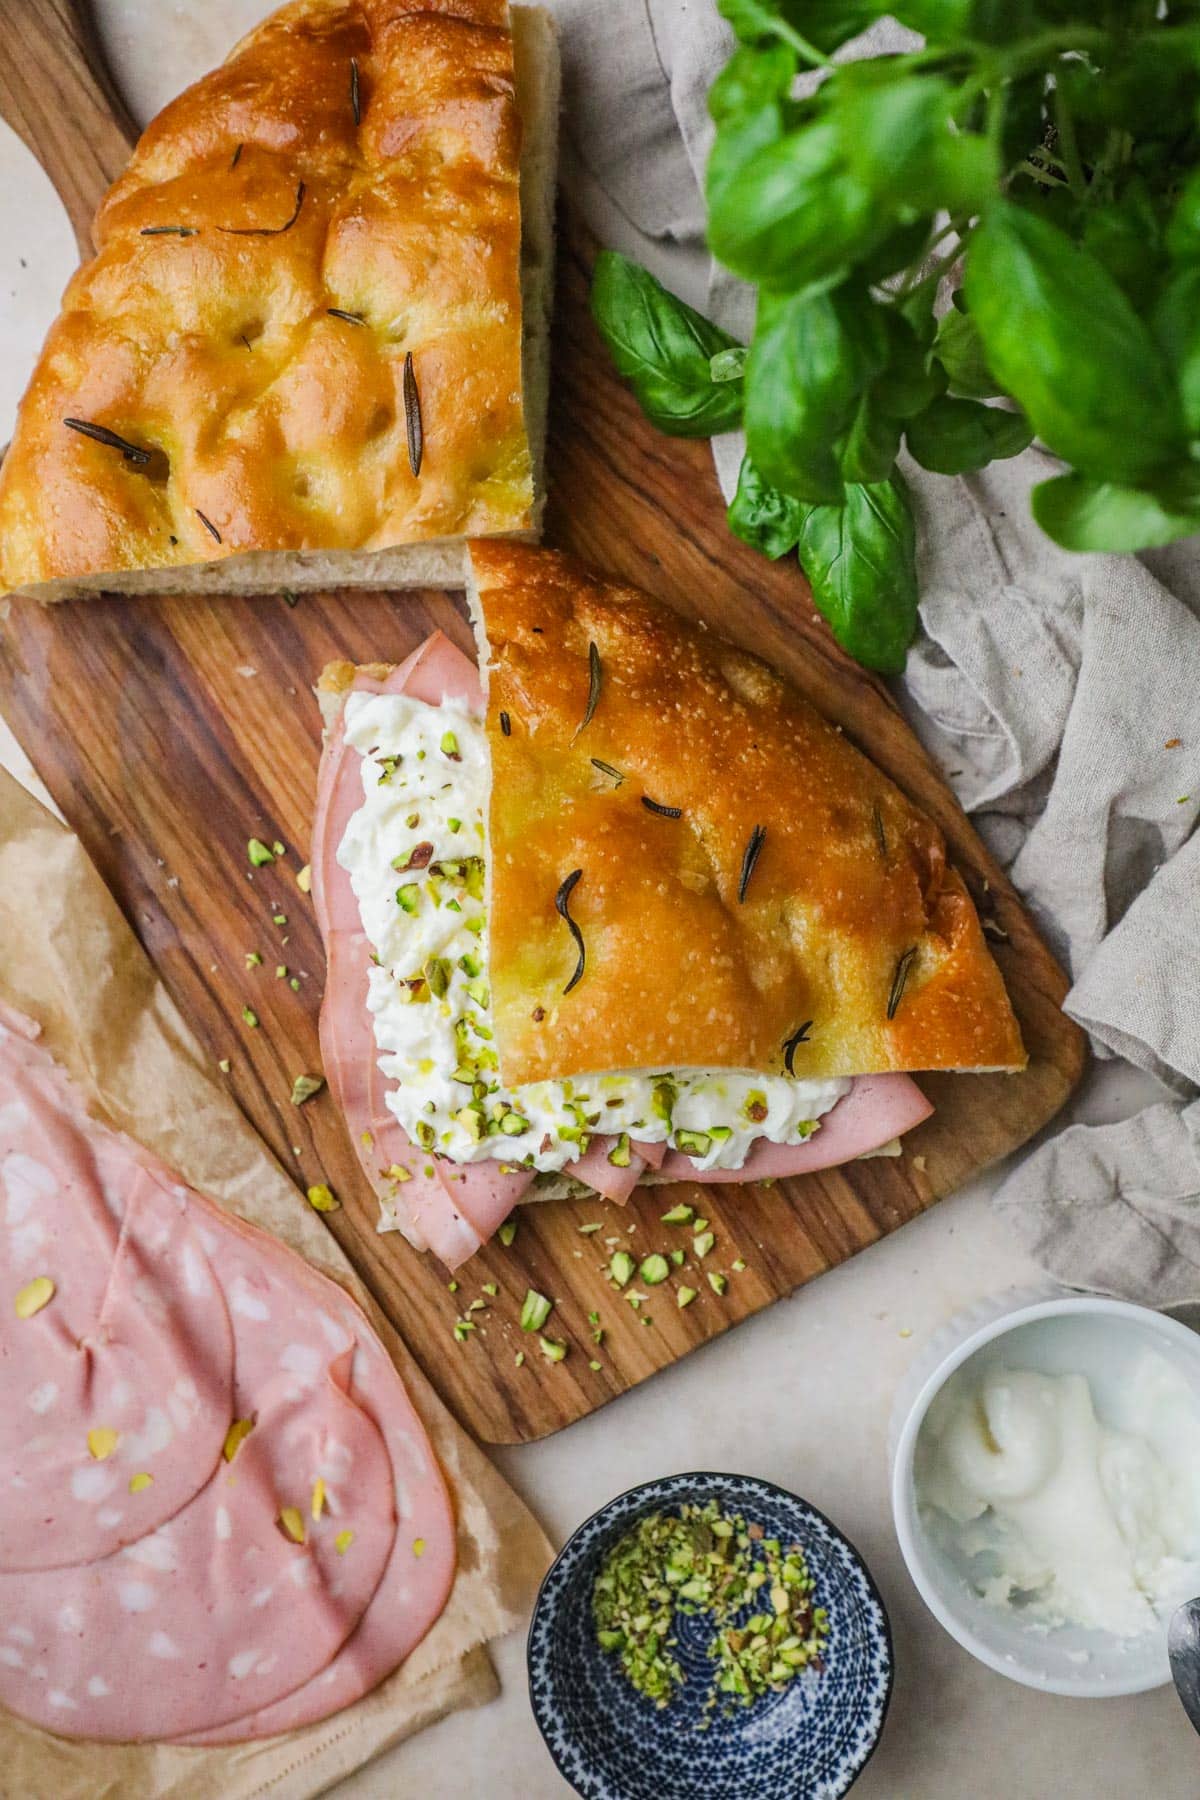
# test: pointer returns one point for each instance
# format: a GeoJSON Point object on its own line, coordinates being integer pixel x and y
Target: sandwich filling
{"type": "Point", "coordinates": [416, 855]}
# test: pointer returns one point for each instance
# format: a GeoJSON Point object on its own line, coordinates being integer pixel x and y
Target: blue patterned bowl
{"type": "Point", "coordinates": [809, 1742]}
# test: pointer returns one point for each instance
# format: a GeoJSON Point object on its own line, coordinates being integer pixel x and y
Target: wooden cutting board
{"type": "Point", "coordinates": [170, 732]}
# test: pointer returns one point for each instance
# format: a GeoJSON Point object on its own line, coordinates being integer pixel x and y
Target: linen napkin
{"type": "Point", "coordinates": [1060, 694]}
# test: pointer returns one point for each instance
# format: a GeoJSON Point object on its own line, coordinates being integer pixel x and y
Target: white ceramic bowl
{"type": "Point", "coordinates": [1054, 1332]}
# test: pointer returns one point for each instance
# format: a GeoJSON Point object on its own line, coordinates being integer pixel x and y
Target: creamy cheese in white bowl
{"type": "Point", "coordinates": [1046, 1487]}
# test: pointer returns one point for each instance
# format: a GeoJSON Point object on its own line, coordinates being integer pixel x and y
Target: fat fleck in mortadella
{"type": "Point", "coordinates": [211, 1477]}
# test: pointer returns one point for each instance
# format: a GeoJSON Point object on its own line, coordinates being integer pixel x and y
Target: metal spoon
{"type": "Point", "coordinates": [1183, 1648]}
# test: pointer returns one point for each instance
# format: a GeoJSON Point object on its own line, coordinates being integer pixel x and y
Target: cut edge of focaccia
{"type": "Point", "coordinates": [429, 562]}
{"type": "Point", "coordinates": [704, 725]}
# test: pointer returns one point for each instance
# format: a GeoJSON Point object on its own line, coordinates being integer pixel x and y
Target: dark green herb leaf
{"type": "Point", "coordinates": [132, 453]}
{"type": "Point", "coordinates": [898, 139]}
{"type": "Point", "coordinates": [505, 724]}
{"type": "Point", "coordinates": [355, 95]}
{"type": "Point", "coordinates": [899, 980]}
{"type": "Point", "coordinates": [753, 851]}
{"type": "Point", "coordinates": [860, 559]}
{"type": "Point", "coordinates": [607, 769]}
{"type": "Point", "coordinates": [763, 516]}
{"type": "Point", "coordinates": [869, 450]}
{"type": "Point", "coordinates": [791, 1045]}
{"type": "Point", "coordinates": [664, 812]}
{"type": "Point", "coordinates": [1037, 298]}
{"type": "Point", "coordinates": [412, 416]}
{"type": "Point", "coordinates": [562, 906]}
{"type": "Point", "coordinates": [268, 230]}
{"type": "Point", "coordinates": [208, 524]}
{"type": "Point", "coordinates": [182, 231]}
{"type": "Point", "coordinates": [351, 318]}
{"type": "Point", "coordinates": [595, 679]}
{"type": "Point", "coordinates": [953, 437]}
{"type": "Point", "coordinates": [664, 349]}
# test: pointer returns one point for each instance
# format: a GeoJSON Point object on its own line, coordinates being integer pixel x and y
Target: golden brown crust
{"type": "Point", "coordinates": [850, 877]}
{"type": "Point", "coordinates": [281, 424]}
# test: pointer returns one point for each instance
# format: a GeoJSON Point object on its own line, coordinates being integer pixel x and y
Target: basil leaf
{"type": "Point", "coordinates": [959, 349]}
{"type": "Point", "coordinates": [813, 357]}
{"type": "Point", "coordinates": [784, 209]}
{"type": "Point", "coordinates": [872, 442]}
{"type": "Point", "coordinates": [911, 380]}
{"type": "Point", "coordinates": [1176, 321]}
{"type": "Point", "coordinates": [763, 517]}
{"type": "Point", "coordinates": [860, 559]}
{"type": "Point", "coordinates": [664, 349]}
{"type": "Point", "coordinates": [954, 437]}
{"type": "Point", "coordinates": [827, 24]}
{"type": "Point", "coordinates": [1081, 514]}
{"type": "Point", "coordinates": [898, 139]}
{"type": "Point", "coordinates": [1065, 342]}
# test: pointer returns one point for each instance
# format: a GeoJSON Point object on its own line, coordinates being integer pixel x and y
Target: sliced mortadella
{"type": "Point", "coordinates": [116, 1352]}
{"type": "Point", "coordinates": [415, 1584]}
{"type": "Point", "coordinates": [447, 1208]}
{"type": "Point", "coordinates": [607, 1178]}
{"type": "Point", "coordinates": [220, 1609]}
{"type": "Point", "coordinates": [877, 1109]}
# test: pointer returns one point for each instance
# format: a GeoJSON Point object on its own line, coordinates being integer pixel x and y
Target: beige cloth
{"type": "Point", "coordinates": [70, 961]}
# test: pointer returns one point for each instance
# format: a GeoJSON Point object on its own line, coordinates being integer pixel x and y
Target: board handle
{"type": "Point", "coordinates": [58, 96]}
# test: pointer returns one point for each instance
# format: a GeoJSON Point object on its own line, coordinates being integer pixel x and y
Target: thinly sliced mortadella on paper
{"type": "Point", "coordinates": [877, 1109]}
{"type": "Point", "coordinates": [415, 1584]}
{"type": "Point", "coordinates": [220, 1610]}
{"type": "Point", "coordinates": [448, 1209]}
{"type": "Point", "coordinates": [116, 1353]}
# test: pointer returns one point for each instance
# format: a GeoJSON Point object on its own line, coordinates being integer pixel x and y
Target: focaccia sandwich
{"type": "Point", "coordinates": [625, 907]}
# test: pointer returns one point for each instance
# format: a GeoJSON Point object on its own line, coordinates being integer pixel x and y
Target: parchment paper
{"type": "Point", "coordinates": [69, 960]}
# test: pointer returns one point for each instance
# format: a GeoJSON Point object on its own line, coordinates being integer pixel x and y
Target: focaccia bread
{"type": "Point", "coordinates": [743, 888]}
{"type": "Point", "coordinates": [311, 349]}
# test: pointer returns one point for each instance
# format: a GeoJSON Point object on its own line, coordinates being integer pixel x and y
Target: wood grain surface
{"type": "Point", "coordinates": [170, 732]}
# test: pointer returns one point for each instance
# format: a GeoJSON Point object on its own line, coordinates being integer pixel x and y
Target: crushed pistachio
{"type": "Point", "coordinates": [684, 1296]}
{"type": "Point", "coordinates": [535, 1311]}
{"type": "Point", "coordinates": [253, 959]}
{"type": "Point", "coordinates": [552, 1349]}
{"type": "Point", "coordinates": [463, 1329]}
{"type": "Point", "coordinates": [717, 1283]}
{"type": "Point", "coordinates": [587, 1230]}
{"type": "Point", "coordinates": [343, 1541]}
{"type": "Point", "coordinates": [280, 971]}
{"type": "Point", "coordinates": [292, 1521]}
{"type": "Point", "coordinates": [654, 1268]}
{"type": "Point", "coordinates": [418, 1548]}
{"type": "Point", "coordinates": [322, 1198]}
{"type": "Point", "coordinates": [279, 918]}
{"type": "Point", "coordinates": [317, 1503]}
{"type": "Point", "coordinates": [702, 1244]}
{"type": "Point", "coordinates": [224, 1065]}
{"type": "Point", "coordinates": [677, 1257]}
{"type": "Point", "coordinates": [678, 1215]}
{"type": "Point", "coordinates": [737, 1266]}
{"type": "Point", "coordinates": [102, 1440]}
{"type": "Point", "coordinates": [33, 1296]}
{"type": "Point", "coordinates": [519, 1358]}
{"type": "Point", "coordinates": [621, 1266]}
{"type": "Point", "coordinates": [621, 1154]}
{"type": "Point", "coordinates": [305, 1086]}
{"type": "Point", "coordinates": [304, 879]}
{"type": "Point", "coordinates": [250, 1017]}
{"type": "Point", "coordinates": [235, 1437]}
{"type": "Point", "coordinates": [139, 1482]}
{"type": "Point", "coordinates": [507, 1232]}
{"type": "Point", "coordinates": [278, 848]}
{"type": "Point", "coordinates": [702, 1562]}
{"type": "Point", "coordinates": [258, 853]}
{"type": "Point", "coordinates": [489, 1287]}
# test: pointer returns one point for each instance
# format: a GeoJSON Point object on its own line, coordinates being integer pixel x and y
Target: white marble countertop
{"type": "Point", "coordinates": [800, 1395]}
